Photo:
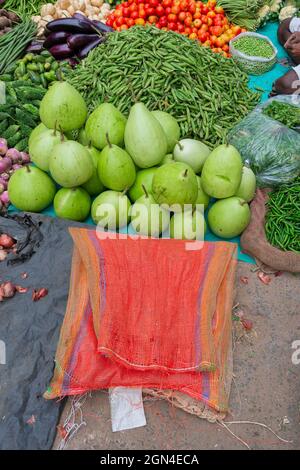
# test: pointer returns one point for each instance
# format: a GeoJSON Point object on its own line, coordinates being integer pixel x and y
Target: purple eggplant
{"type": "Point", "coordinates": [78, 41]}
{"type": "Point", "coordinates": [35, 46]}
{"type": "Point", "coordinates": [71, 25]}
{"type": "Point", "coordinates": [61, 51]}
{"type": "Point", "coordinates": [56, 38]}
{"type": "Point", "coordinates": [104, 28]}
{"type": "Point", "coordinates": [82, 54]}
{"type": "Point", "coordinates": [80, 16]}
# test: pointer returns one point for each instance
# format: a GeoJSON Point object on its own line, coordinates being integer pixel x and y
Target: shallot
{"type": "Point", "coordinates": [14, 155]}
{"type": "Point", "coordinates": [3, 146]}
{"type": "Point", "coordinates": [6, 241]}
{"type": "Point", "coordinates": [25, 158]}
{"type": "Point", "coordinates": [8, 289]}
{"type": "Point", "coordinates": [4, 198]}
{"type": "Point", "coordinates": [38, 294]}
{"type": "Point", "coordinates": [5, 164]}
{"type": "Point", "coordinates": [3, 182]}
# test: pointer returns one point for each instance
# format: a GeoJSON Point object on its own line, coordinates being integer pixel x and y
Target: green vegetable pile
{"type": "Point", "coordinates": [285, 113]}
{"type": "Point", "coordinates": [26, 8]}
{"type": "Point", "coordinates": [254, 47]}
{"type": "Point", "coordinates": [206, 93]}
{"type": "Point", "coordinates": [13, 44]}
{"type": "Point", "coordinates": [283, 217]}
{"type": "Point", "coordinates": [41, 69]}
{"type": "Point", "coordinates": [20, 114]}
{"type": "Point", "coordinates": [244, 13]}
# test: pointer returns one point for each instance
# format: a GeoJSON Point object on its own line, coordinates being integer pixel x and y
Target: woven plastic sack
{"type": "Point", "coordinates": [255, 243]}
{"type": "Point", "coordinates": [146, 312]}
{"type": "Point", "coordinates": [271, 149]}
{"type": "Point", "coordinates": [251, 64]}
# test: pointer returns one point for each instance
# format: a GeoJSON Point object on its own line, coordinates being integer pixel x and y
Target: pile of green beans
{"type": "Point", "coordinates": [286, 113]}
{"type": "Point", "coordinates": [13, 44]}
{"type": "Point", "coordinates": [254, 47]}
{"type": "Point", "coordinates": [245, 13]}
{"type": "Point", "coordinates": [26, 8]}
{"type": "Point", "coordinates": [205, 92]}
{"type": "Point", "coordinates": [283, 217]}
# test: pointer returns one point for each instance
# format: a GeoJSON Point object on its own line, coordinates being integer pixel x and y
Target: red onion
{"type": "Point", "coordinates": [38, 294]}
{"type": "Point", "coordinates": [21, 290]}
{"type": "Point", "coordinates": [3, 183]}
{"type": "Point", "coordinates": [17, 166]}
{"type": "Point", "coordinates": [6, 241]}
{"type": "Point", "coordinates": [8, 289]}
{"type": "Point", "coordinates": [2, 188]}
{"type": "Point", "coordinates": [25, 158]}
{"type": "Point", "coordinates": [3, 146]}
{"type": "Point", "coordinates": [5, 176]}
{"type": "Point", "coordinates": [14, 155]}
{"type": "Point", "coordinates": [4, 198]}
{"type": "Point", "coordinates": [5, 164]}
{"type": "Point", "coordinates": [3, 255]}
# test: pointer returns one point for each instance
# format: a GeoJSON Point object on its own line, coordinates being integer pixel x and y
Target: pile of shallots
{"type": "Point", "coordinates": [10, 161]}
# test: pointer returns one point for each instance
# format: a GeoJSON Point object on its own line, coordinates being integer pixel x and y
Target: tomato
{"type": "Point", "coordinates": [130, 22]}
{"type": "Point", "coordinates": [193, 36]}
{"type": "Point", "coordinates": [167, 3]}
{"type": "Point", "coordinates": [188, 21]}
{"type": "Point", "coordinates": [120, 21]}
{"type": "Point", "coordinates": [197, 16]}
{"type": "Point", "coordinates": [142, 14]}
{"type": "Point", "coordinates": [204, 19]}
{"type": "Point", "coordinates": [171, 17]}
{"type": "Point", "coordinates": [209, 21]}
{"type": "Point", "coordinates": [236, 30]}
{"type": "Point", "coordinates": [182, 16]}
{"type": "Point", "coordinates": [163, 21]}
{"type": "Point", "coordinates": [197, 23]}
{"type": "Point", "coordinates": [118, 14]}
{"type": "Point", "coordinates": [219, 42]}
{"type": "Point", "coordinates": [172, 26]}
{"type": "Point", "coordinates": [203, 37]}
{"type": "Point", "coordinates": [152, 19]}
{"type": "Point", "coordinates": [123, 27]}
{"type": "Point", "coordinates": [225, 48]}
{"type": "Point", "coordinates": [204, 10]}
{"type": "Point", "coordinates": [139, 1]}
{"type": "Point", "coordinates": [211, 14]}
{"type": "Point", "coordinates": [192, 8]}
{"type": "Point", "coordinates": [180, 28]}
{"type": "Point", "coordinates": [175, 9]}
{"type": "Point", "coordinates": [188, 30]}
{"type": "Point", "coordinates": [140, 21]}
{"type": "Point", "coordinates": [126, 12]}
{"type": "Point", "coordinates": [153, 3]}
{"type": "Point", "coordinates": [160, 11]}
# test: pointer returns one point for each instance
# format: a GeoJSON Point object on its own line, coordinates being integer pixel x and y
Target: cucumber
{"type": "Point", "coordinates": [22, 145]}
{"type": "Point", "coordinates": [31, 109]}
{"type": "Point", "coordinates": [25, 117]}
{"type": "Point", "coordinates": [11, 131]}
{"type": "Point", "coordinates": [34, 77]}
{"type": "Point", "coordinates": [12, 141]}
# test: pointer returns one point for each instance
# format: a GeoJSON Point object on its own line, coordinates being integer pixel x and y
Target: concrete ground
{"type": "Point", "coordinates": [265, 388]}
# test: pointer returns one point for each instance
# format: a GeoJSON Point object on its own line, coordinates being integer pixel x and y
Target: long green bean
{"type": "Point", "coordinates": [205, 92]}
{"type": "Point", "coordinates": [13, 44]}
{"type": "Point", "coordinates": [283, 217]}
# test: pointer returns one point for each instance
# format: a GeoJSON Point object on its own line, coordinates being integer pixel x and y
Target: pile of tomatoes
{"type": "Point", "coordinates": [205, 22]}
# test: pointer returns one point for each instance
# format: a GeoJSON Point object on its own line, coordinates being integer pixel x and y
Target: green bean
{"type": "Point", "coordinates": [169, 72]}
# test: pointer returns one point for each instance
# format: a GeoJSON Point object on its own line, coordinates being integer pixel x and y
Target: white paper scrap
{"type": "Point", "coordinates": [126, 408]}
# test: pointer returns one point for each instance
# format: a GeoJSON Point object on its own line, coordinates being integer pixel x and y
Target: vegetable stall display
{"type": "Point", "coordinates": [205, 22]}
{"type": "Point", "coordinates": [206, 93]}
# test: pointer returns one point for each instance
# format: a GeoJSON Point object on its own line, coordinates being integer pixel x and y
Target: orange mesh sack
{"type": "Point", "coordinates": [147, 312]}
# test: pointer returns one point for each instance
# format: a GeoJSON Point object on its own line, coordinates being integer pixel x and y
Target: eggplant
{"type": "Point", "coordinates": [56, 38]}
{"type": "Point", "coordinates": [77, 41]}
{"type": "Point", "coordinates": [61, 51]}
{"type": "Point", "coordinates": [102, 27]}
{"type": "Point", "coordinates": [35, 46]}
{"type": "Point", "coordinates": [79, 16]}
{"type": "Point", "coordinates": [85, 50]}
{"type": "Point", "coordinates": [71, 25]}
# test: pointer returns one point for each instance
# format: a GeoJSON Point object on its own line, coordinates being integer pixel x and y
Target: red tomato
{"type": "Point", "coordinates": [152, 19]}
{"type": "Point", "coordinates": [172, 26]}
{"type": "Point", "coordinates": [130, 22]}
{"type": "Point", "coordinates": [192, 8]}
{"type": "Point", "coordinates": [168, 10]}
{"type": "Point", "coordinates": [139, 1]}
{"type": "Point", "coordinates": [160, 11]}
{"type": "Point", "coordinates": [120, 21]}
{"type": "Point", "coordinates": [182, 16]}
{"type": "Point", "coordinates": [209, 21]}
{"type": "Point", "coordinates": [188, 21]}
{"type": "Point", "coordinates": [118, 13]}
{"type": "Point", "coordinates": [197, 23]}
{"type": "Point", "coordinates": [197, 15]}
{"type": "Point", "coordinates": [130, 2]}
{"type": "Point", "coordinates": [172, 17]}
{"type": "Point", "coordinates": [142, 14]}
{"type": "Point", "coordinates": [167, 3]}
{"type": "Point", "coordinates": [204, 19]}
{"type": "Point", "coordinates": [126, 12]}
{"type": "Point", "coordinates": [204, 28]}
{"type": "Point", "coordinates": [134, 15]}
{"type": "Point", "coordinates": [193, 36]}
{"type": "Point", "coordinates": [204, 10]}
{"type": "Point", "coordinates": [211, 14]}
{"type": "Point", "coordinates": [153, 3]}
{"type": "Point", "coordinates": [203, 37]}
{"type": "Point", "coordinates": [140, 21]}
{"type": "Point", "coordinates": [180, 28]}
{"type": "Point", "coordinates": [123, 27]}
{"type": "Point", "coordinates": [175, 9]}
{"type": "Point", "coordinates": [188, 30]}
{"type": "Point", "coordinates": [132, 8]}
{"type": "Point", "coordinates": [163, 21]}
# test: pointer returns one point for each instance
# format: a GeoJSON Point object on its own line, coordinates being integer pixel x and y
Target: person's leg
{"type": "Point", "coordinates": [287, 84]}
{"type": "Point", "coordinates": [284, 32]}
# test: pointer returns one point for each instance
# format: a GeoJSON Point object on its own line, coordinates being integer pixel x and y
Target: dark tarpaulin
{"type": "Point", "coordinates": [30, 330]}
